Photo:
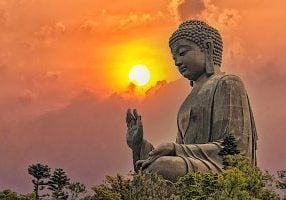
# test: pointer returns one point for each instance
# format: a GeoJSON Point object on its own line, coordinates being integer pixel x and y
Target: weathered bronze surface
{"type": "Point", "coordinates": [217, 105]}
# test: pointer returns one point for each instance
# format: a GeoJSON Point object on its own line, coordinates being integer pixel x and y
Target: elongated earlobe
{"type": "Point", "coordinates": [209, 57]}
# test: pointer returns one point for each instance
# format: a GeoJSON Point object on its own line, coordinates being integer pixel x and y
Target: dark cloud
{"type": "Point", "coordinates": [223, 18]}
{"type": "Point", "coordinates": [131, 88]}
{"type": "Point", "coordinates": [185, 9]}
{"type": "Point", "coordinates": [155, 88]}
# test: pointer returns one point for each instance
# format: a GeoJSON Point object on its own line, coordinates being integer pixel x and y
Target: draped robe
{"type": "Point", "coordinates": [215, 107]}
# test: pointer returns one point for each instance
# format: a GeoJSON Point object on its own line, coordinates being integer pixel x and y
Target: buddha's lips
{"type": "Point", "coordinates": [182, 69]}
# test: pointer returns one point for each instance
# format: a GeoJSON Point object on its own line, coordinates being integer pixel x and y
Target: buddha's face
{"type": "Point", "coordinates": [189, 59]}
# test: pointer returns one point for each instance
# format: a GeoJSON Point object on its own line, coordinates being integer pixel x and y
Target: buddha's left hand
{"type": "Point", "coordinates": [165, 149]}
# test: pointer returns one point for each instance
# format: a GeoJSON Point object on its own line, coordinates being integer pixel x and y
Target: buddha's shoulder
{"type": "Point", "coordinates": [230, 81]}
{"type": "Point", "coordinates": [228, 78]}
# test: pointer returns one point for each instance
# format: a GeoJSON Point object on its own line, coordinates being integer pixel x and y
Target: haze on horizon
{"type": "Point", "coordinates": [65, 89]}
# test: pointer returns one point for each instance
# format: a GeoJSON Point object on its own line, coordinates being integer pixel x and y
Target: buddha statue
{"type": "Point", "coordinates": [217, 105]}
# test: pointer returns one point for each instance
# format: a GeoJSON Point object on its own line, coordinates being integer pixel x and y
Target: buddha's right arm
{"type": "Point", "coordinates": [141, 152]}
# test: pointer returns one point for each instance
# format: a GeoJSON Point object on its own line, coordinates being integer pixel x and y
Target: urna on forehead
{"type": "Point", "coordinates": [199, 32]}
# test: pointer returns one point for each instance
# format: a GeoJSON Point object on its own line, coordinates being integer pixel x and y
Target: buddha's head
{"type": "Point", "coordinates": [196, 48]}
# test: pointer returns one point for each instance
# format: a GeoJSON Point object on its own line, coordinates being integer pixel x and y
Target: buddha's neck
{"type": "Point", "coordinates": [204, 76]}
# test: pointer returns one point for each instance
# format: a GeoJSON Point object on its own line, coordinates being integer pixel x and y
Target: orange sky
{"type": "Point", "coordinates": [64, 74]}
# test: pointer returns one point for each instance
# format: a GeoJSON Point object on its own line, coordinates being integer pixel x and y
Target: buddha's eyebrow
{"type": "Point", "coordinates": [182, 46]}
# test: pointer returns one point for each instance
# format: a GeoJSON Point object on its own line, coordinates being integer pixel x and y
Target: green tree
{"type": "Point", "coordinates": [281, 182]}
{"type": "Point", "coordinates": [143, 186]}
{"type": "Point", "coordinates": [76, 189]}
{"type": "Point", "coordinates": [40, 173]}
{"type": "Point", "coordinates": [104, 192]}
{"type": "Point", "coordinates": [10, 195]}
{"type": "Point", "coordinates": [197, 185]}
{"type": "Point", "coordinates": [229, 148]}
{"type": "Point", "coordinates": [57, 183]}
{"type": "Point", "coordinates": [240, 180]}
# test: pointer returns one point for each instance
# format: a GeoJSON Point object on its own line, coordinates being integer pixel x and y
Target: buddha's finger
{"type": "Point", "coordinates": [148, 162]}
{"type": "Point", "coordinates": [139, 163]}
{"type": "Point", "coordinates": [128, 117]}
{"type": "Point", "coordinates": [155, 152]}
{"type": "Point", "coordinates": [138, 121]}
{"type": "Point", "coordinates": [135, 114]}
{"type": "Point", "coordinates": [130, 120]}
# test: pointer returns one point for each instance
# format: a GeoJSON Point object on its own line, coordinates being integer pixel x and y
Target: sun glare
{"type": "Point", "coordinates": [139, 74]}
{"type": "Point", "coordinates": [141, 62]}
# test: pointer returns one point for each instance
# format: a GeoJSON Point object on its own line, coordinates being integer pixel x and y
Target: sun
{"type": "Point", "coordinates": [139, 74]}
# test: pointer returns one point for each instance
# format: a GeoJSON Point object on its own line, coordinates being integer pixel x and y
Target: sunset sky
{"type": "Point", "coordinates": [64, 86]}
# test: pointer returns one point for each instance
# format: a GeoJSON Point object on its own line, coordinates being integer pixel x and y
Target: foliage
{"type": "Point", "coordinates": [40, 173]}
{"type": "Point", "coordinates": [76, 189]}
{"type": "Point", "coordinates": [197, 185]}
{"type": "Point", "coordinates": [10, 195]}
{"type": "Point", "coordinates": [143, 186]}
{"type": "Point", "coordinates": [149, 186]}
{"type": "Point", "coordinates": [57, 183]}
{"type": "Point", "coordinates": [240, 180]}
{"type": "Point", "coordinates": [281, 183]}
{"type": "Point", "coordinates": [103, 192]}
{"type": "Point", "coordinates": [229, 147]}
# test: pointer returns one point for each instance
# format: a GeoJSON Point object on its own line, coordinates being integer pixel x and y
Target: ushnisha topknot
{"type": "Point", "coordinates": [198, 32]}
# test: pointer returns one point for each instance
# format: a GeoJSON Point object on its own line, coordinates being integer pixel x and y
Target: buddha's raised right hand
{"type": "Point", "coordinates": [134, 134]}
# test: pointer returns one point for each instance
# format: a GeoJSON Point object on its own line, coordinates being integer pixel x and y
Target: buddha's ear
{"type": "Point", "coordinates": [209, 46]}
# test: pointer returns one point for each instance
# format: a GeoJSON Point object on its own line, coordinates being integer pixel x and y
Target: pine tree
{"type": "Point", "coordinates": [40, 172]}
{"type": "Point", "coordinates": [229, 148]}
{"type": "Point", "coordinates": [76, 190]}
{"type": "Point", "coordinates": [57, 183]}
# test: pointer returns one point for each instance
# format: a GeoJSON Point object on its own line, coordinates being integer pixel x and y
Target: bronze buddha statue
{"type": "Point", "coordinates": [218, 105]}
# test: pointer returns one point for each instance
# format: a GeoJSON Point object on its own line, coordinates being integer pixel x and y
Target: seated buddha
{"type": "Point", "coordinates": [217, 105]}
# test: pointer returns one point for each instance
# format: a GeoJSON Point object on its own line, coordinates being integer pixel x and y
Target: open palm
{"type": "Point", "coordinates": [134, 134]}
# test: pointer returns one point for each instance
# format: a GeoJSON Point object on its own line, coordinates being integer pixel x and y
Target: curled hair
{"type": "Point", "coordinates": [198, 32]}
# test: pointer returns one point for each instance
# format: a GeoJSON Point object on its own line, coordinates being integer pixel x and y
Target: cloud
{"type": "Point", "coordinates": [186, 9]}
{"type": "Point", "coordinates": [27, 97]}
{"type": "Point", "coordinates": [85, 137]}
{"type": "Point", "coordinates": [155, 88]}
{"type": "Point", "coordinates": [117, 22]}
{"type": "Point", "coordinates": [138, 19]}
{"type": "Point", "coordinates": [131, 88]}
{"type": "Point", "coordinates": [52, 76]}
{"type": "Point", "coordinates": [89, 26]}
{"type": "Point", "coordinates": [49, 32]}
{"type": "Point", "coordinates": [207, 10]}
